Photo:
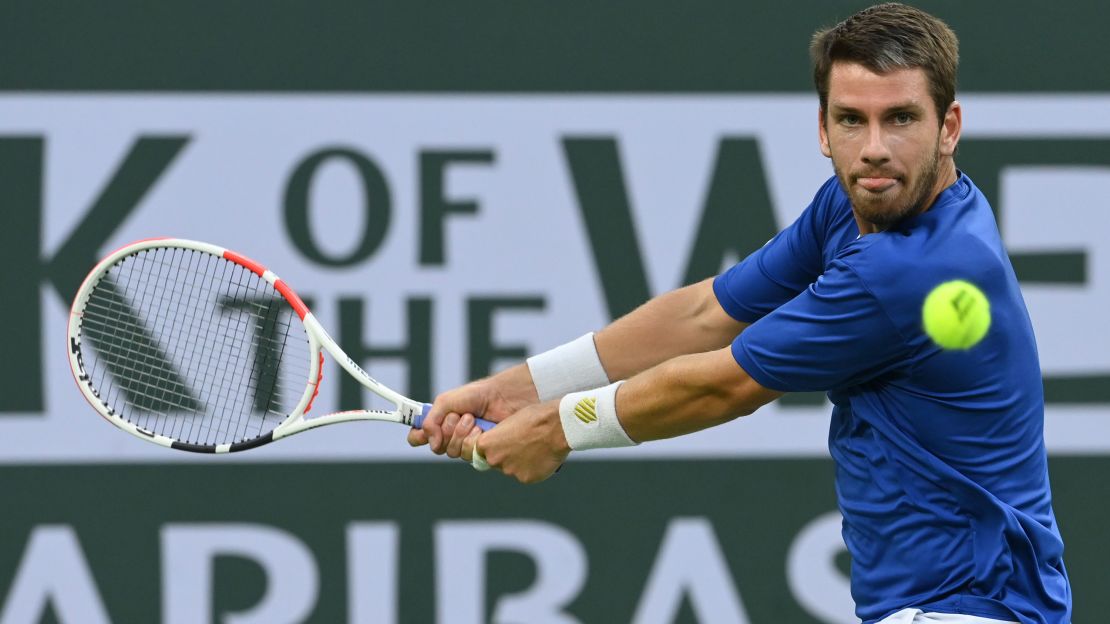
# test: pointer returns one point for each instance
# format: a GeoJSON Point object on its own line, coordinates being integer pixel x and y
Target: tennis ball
{"type": "Point", "coordinates": [956, 315]}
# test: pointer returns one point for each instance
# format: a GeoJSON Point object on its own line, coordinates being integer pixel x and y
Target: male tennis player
{"type": "Point", "coordinates": [941, 467]}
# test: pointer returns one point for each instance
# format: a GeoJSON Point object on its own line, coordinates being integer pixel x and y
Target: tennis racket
{"type": "Point", "coordinates": [197, 348]}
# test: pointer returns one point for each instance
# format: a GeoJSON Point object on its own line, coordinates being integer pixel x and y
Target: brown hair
{"type": "Point", "coordinates": [886, 37]}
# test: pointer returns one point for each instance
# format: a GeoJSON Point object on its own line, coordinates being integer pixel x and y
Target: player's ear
{"type": "Point", "coordinates": [823, 134]}
{"type": "Point", "coordinates": [950, 129]}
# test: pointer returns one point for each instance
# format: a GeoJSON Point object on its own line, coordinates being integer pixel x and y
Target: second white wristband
{"type": "Point", "coordinates": [567, 368]}
{"type": "Point", "coordinates": [590, 419]}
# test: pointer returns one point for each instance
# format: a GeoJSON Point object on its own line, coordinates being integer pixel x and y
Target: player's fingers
{"type": "Point", "coordinates": [447, 429]}
{"type": "Point", "coordinates": [461, 431]}
{"type": "Point", "coordinates": [469, 444]}
{"type": "Point", "coordinates": [417, 437]}
{"type": "Point", "coordinates": [432, 426]}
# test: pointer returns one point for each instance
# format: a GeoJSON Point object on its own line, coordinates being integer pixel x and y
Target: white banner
{"type": "Point", "coordinates": [522, 237]}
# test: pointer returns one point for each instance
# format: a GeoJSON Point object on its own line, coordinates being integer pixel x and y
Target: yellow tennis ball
{"type": "Point", "coordinates": [956, 315]}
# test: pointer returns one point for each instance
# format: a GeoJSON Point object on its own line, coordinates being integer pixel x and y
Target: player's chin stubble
{"type": "Point", "coordinates": [885, 212]}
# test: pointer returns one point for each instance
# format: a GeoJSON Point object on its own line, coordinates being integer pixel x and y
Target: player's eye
{"type": "Point", "coordinates": [903, 118]}
{"type": "Point", "coordinates": [851, 120]}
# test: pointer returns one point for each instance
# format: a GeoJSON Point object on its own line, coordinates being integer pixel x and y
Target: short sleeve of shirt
{"type": "Point", "coordinates": [832, 335]}
{"type": "Point", "coordinates": [778, 271]}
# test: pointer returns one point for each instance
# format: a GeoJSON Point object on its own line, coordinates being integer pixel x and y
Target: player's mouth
{"type": "Point", "coordinates": [876, 184]}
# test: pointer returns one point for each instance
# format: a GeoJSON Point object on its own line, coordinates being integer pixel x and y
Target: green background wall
{"type": "Point", "coordinates": [617, 509]}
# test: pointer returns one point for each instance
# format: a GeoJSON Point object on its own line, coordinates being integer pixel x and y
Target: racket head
{"type": "Point", "coordinates": [191, 346]}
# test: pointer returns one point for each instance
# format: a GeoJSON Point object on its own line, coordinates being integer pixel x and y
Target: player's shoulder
{"type": "Point", "coordinates": [956, 236]}
{"type": "Point", "coordinates": [829, 214]}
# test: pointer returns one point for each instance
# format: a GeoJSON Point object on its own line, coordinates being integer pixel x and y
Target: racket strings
{"type": "Point", "coordinates": [238, 326]}
{"type": "Point", "coordinates": [140, 375]}
{"type": "Point", "coordinates": [248, 292]}
{"type": "Point", "coordinates": [148, 380]}
{"type": "Point", "coordinates": [136, 359]}
{"type": "Point", "coordinates": [248, 287]}
{"type": "Point", "coordinates": [194, 347]}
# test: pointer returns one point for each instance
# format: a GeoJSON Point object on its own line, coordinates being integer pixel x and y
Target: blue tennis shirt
{"type": "Point", "coordinates": [941, 470]}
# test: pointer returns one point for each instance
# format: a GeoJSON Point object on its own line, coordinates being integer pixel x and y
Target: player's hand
{"type": "Point", "coordinates": [451, 418]}
{"type": "Point", "coordinates": [530, 446]}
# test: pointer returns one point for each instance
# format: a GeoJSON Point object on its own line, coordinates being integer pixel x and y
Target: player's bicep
{"type": "Point", "coordinates": [717, 327]}
{"type": "Point", "coordinates": [774, 273]}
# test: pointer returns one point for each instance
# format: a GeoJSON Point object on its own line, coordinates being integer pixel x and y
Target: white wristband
{"type": "Point", "coordinates": [567, 368]}
{"type": "Point", "coordinates": [590, 419]}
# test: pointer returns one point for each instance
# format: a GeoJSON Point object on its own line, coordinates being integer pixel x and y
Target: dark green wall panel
{"type": "Point", "coordinates": [617, 510]}
{"type": "Point", "coordinates": [508, 45]}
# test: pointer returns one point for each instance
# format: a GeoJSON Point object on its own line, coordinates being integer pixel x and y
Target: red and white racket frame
{"type": "Point", "coordinates": [406, 412]}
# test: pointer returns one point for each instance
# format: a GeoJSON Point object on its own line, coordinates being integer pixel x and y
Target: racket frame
{"type": "Point", "coordinates": [406, 411]}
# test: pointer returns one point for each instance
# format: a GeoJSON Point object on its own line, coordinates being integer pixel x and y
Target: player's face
{"type": "Point", "coordinates": [889, 150]}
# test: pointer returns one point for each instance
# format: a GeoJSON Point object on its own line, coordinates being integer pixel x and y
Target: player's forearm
{"type": "Point", "coordinates": [683, 321]}
{"type": "Point", "coordinates": [686, 394]}
{"type": "Point", "coordinates": [687, 320]}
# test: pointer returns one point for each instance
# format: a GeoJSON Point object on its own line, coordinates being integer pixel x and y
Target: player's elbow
{"type": "Point", "coordinates": [745, 395]}
{"type": "Point", "coordinates": [744, 409]}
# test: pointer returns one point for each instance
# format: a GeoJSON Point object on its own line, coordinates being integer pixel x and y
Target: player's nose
{"type": "Point", "coordinates": [875, 150]}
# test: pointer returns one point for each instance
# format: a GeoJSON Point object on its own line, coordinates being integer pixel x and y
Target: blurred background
{"type": "Point", "coordinates": [454, 186]}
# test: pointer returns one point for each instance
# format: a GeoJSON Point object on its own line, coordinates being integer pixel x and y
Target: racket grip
{"type": "Point", "coordinates": [483, 424]}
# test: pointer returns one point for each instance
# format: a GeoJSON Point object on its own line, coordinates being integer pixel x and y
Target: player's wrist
{"type": "Point", "coordinates": [517, 385]}
{"type": "Point", "coordinates": [559, 442]}
{"type": "Point", "coordinates": [570, 367]}
{"type": "Point", "coordinates": [590, 420]}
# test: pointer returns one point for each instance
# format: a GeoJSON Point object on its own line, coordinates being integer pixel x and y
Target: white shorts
{"type": "Point", "coordinates": [917, 616]}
